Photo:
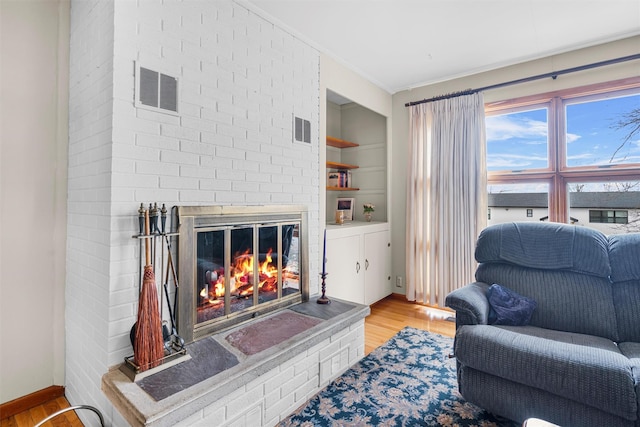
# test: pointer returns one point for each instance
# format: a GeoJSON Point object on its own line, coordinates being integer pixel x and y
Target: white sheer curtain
{"type": "Point", "coordinates": [446, 196]}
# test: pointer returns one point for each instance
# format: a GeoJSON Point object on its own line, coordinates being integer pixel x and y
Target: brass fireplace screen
{"type": "Point", "coordinates": [238, 262]}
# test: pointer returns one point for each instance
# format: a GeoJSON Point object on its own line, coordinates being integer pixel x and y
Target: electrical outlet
{"type": "Point", "coordinates": [398, 281]}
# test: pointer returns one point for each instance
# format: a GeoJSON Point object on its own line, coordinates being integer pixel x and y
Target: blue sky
{"type": "Point", "coordinates": [518, 141]}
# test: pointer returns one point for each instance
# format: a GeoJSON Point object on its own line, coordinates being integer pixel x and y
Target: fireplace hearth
{"type": "Point", "coordinates": [238, 262]}
{"type": "Point", "coordinates": [227, 382]}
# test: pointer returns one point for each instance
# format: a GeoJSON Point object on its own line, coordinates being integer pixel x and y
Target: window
{"type": "Point", "coordinates": [579, 149]}
{"type": "Point", "coordinates": [608, 217]}
{"type": "Point", "coordinates": [518, 141]}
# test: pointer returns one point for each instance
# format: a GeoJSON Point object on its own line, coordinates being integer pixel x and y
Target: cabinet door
{"type": "Point", "coordinates": [377, 266]}
{"type": "Point", "coordinates": [344, 269]}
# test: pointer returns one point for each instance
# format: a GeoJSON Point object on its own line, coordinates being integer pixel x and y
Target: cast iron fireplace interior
{"type": "Point", "coordinates": [238, 262]}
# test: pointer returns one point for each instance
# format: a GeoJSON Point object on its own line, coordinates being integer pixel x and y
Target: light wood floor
{"type": "Point", "coordinates": [393, 313]}
{"type": "Point", "coordinates": [31, 417]}
{"type": "Point", "coordinates": [387, 318]}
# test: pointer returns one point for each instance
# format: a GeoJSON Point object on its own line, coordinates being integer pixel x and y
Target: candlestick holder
{"type": "Point", "coordinates": [323, 298]}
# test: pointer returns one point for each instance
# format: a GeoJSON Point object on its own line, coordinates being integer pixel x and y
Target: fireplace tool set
{"type": "Point", "coordinates": [155, 346]}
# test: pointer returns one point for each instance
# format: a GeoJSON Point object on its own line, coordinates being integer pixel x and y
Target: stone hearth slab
{"type": "Point", "coordinates": [208, 358]}
{"type": "Point", "coordinates": [263, 334]}
{"type": "Point", "coordinates": [323, 311]}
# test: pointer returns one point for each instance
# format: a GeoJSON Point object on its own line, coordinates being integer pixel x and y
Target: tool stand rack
{"type": "Point", "coordinates": [174, 351]}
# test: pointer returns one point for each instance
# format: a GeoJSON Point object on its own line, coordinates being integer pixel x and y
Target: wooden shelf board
{"type": "Point", "coordinates": [342, 189]}
{"type": "Point", "coordinates": [340, 143]}
{"type": "Point", "coordinates": [336, 165]}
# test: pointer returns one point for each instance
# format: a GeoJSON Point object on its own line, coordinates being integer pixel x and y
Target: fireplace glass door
{"type": "Point", "coordinates": [243, 267]}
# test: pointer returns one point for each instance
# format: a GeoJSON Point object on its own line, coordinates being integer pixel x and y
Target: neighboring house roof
{"type": "Point", "coordinates": [518, 200]}
{"type": "Point", "coordinates": [612, 200]}
{"type": "Point", "coordinates": [595, 200]}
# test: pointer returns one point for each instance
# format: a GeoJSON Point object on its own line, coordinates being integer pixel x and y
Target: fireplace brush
{"type": "Point", "coordinates": [148, 347]}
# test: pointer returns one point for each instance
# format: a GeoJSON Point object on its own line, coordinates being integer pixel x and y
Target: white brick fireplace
{"type": "Point", "coordinates": [241, 81]}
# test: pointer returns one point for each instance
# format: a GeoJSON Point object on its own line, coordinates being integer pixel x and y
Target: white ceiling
{"type": "Point", "coordinates": [403, 44]}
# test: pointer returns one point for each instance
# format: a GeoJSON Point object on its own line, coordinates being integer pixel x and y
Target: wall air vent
{"type": "Point", "coordinates": [156, 91]}
{"type": "Point", "coordinates": [301, 130]}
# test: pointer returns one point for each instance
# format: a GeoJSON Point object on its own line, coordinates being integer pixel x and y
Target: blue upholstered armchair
{"type": "Point", "coordinates": [576, 362]}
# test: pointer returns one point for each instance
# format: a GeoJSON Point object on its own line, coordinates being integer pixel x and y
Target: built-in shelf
{"type": "Point", "coordinates": [340, 143]}
{"type": "Point", "coordinates": [357, 167]}
{"type": "Point", "coordinates": [342, 189]}
{"type": "Point", "coordinates": [336, 165]}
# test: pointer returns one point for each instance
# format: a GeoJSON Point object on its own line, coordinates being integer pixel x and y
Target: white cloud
{"type": "Point", "coordinates": [572, 137]}
{"type": "Point", "coordinates": [500, 128]}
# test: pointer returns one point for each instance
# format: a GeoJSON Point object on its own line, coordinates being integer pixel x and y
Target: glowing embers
{"type": "Point", "coordinates": [231, 278]}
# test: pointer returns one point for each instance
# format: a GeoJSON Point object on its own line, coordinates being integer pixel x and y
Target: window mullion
{"type": "Point", "coordinates": [557, 158]}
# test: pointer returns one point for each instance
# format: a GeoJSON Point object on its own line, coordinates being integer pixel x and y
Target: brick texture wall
{"type": "Point", "coordinates": [241, 81]}
{"type": "Point", "coordinates": [271, 397]}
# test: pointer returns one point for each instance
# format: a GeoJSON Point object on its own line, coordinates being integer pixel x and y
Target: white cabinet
{"type": "Point", "coordinates": [344, 280]}
{"type": "Point", "coordinates": [377, 266]}
{"type": "Point", "coordinates": [358, 262]}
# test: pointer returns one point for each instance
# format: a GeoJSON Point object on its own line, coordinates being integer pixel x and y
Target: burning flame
{"type": "Point", "coordinates": [241, 278]}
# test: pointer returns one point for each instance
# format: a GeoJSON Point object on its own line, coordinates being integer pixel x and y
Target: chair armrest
{"type": "Point", "coordinates": [470, 303]}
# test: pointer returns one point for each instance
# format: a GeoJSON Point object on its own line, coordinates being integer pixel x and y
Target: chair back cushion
{"type": "Point", "coordinates": [624, 255]}
{"type": "Point", "coordinates": [564, 268]}
{"type": "Point", "coordinates": [547, 246]}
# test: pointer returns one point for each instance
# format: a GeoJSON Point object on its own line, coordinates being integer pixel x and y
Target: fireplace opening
{"type": "Point", "coordinates": [236, 263]}
{"type": "Point", "coordinates": [247, 279]}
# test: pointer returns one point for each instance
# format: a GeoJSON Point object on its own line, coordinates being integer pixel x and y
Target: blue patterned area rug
{"type": "Point", "coordinates": [408, 381]}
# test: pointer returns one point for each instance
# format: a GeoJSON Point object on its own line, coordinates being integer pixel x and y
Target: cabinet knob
{"type": "Point", "coordinates": [389, 244]}
{"type": "Point", "coordinates": [366, 264]}
{"type": "Point", "coordinates": [388, 277]}
{"type": "Point", "coordinates": [357, 266]}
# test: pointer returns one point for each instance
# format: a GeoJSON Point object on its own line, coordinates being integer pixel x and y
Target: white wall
{"type": "Point", "coordinates": [241, 80]}
{"type": "Point", "coordinates": [553, 63]}
{"type": "Point", "coordinates": [89, 255]}
{"type": "Point", "coordinates": [34, 72]}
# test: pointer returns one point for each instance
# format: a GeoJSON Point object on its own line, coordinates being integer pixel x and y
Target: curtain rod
{"type": "Point", "coordinates": [553, 75]}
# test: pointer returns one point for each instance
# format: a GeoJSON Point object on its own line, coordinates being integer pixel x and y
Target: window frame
{"type": "Point", "coordinates": [558, 176]}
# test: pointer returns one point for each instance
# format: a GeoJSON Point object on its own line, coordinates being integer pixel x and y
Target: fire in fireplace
{"type": "Point", "coordinates": [238, 262]}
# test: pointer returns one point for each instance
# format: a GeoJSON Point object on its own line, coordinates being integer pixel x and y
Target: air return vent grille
{"type": "Point", "coordinates": [301, 130]}
{"type": "Point", "coordinates": [156, 91]}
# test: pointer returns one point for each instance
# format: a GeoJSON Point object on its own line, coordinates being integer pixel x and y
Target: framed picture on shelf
{"type": "Point", "coordinates": [346, 204]}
